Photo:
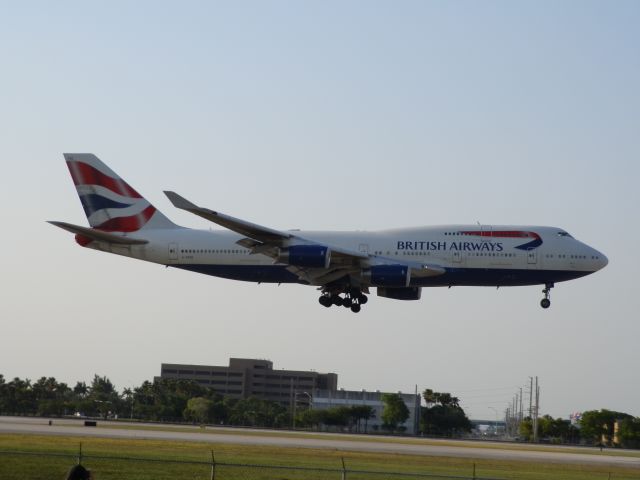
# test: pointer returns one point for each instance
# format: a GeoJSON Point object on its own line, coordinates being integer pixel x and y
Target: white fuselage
{"type": "Point", "coordinates": [472, 255]}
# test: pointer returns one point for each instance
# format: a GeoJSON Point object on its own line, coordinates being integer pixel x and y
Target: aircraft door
{"type": "Point", "coordinates": [457, 257]}
{"type": "Point", "coordinates": [364, 248]}
{"type": "Point", "coordinates": [532, 257]}
{"type": "Point", "coordinates": [173, 251]}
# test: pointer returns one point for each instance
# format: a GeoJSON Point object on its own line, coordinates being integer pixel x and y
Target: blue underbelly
{"type": "Point", "coordinates": [246, 273]}
{"type": "Point", "coordinates": [493, 277]}
{"type": "Point", "coordinates": [453, 277]}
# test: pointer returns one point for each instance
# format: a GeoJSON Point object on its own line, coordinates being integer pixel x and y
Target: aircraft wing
{"type": "Point", "coordinates": [267, 241]}
{"type": "Point", "coordinates": [251, 230]}
{"type": "Point", "coordinates": [260, 238]}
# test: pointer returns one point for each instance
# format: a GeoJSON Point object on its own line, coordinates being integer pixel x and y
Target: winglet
{"type": "Point", "coordinates": [179, 201]}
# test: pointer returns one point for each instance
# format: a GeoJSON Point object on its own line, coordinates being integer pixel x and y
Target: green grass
{"type": "Point", "coordinates": [14, 466]}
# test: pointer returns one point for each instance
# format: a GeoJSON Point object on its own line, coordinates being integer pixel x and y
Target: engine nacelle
{"type": "Point", "coordinates": [388, 275]}
{"type": "Point", "coordinates": [313, 256]}
{"type": "Point", "coordinates": [406, 293]}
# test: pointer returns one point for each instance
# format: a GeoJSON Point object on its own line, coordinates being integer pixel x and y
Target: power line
{"type": "Point", "coordinates": [514, 413]}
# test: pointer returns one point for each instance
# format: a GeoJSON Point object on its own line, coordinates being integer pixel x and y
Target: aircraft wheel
{"type": "Point", "coordinates": [325, 301]}
{"type": "Point", "coordinates": [347, 302]}
{"type": "Point", "coordinates": [545, 303]}
{"type": "Point", "coordinates": [355, 308]}
{"type": "Point", "coordinates": [362, 299]}
{"type": "Point", "coordinates": [337, 300]}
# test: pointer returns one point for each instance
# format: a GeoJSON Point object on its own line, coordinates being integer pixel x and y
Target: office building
{"type": "Point", "coordinates": [323, 399]}
{"type": "Point", "coordinates": [245, 378]}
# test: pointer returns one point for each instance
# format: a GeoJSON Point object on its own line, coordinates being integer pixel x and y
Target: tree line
{"type": "Point", "coordinates": [595, 427]}
{"type": "Point", "coordinates": [179, 400]}
{"type": "Point", "coordinates": [184, 400]}
{"type": "Point", "coordinates": [161, 400]}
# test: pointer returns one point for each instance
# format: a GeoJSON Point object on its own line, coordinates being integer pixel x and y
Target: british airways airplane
{"type": "Point", "coordinates": [343, 265]}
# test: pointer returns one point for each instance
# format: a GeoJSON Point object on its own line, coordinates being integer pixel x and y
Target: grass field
{"type": "Point", "coordinates": [14, 466]}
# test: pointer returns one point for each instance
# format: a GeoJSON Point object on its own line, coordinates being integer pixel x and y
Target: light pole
{"type": "Point", "coordinates": [495, 425]}
{"type": "Point", "coordinates": [309, 396]}
{"type": "Point", "coordinates": [105, 402]}
{"type": "Point", "coordinates": [295, 402]}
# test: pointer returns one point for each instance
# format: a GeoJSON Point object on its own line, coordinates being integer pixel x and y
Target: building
{"type": "Point", "coordinates": [245, 378]}
{"type": "Point", "coordinates": [323, 399]}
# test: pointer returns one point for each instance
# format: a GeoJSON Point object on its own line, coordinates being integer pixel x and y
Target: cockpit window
{"type": "Point", "coordinates": [564, 234]}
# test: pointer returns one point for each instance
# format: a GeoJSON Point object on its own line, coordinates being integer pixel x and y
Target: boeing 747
{"type": "Point", "coordinates": [344, 266]}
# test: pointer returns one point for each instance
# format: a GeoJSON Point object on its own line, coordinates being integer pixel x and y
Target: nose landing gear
{"type": "Point", "coordinates": [546, 302]}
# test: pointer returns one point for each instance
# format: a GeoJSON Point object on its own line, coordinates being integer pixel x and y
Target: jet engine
{"type": "Point", "coordinates": [388, 275]}
{"type": "Point", "coordinates": [312, 256]}
{"type": "Point", "coordinates": [406, 293]}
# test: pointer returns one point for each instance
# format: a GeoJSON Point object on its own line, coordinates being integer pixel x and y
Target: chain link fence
{"type": "Point", "coordinates": [53, 465]}
{"type": "Point", "coordinates": [47, 465]}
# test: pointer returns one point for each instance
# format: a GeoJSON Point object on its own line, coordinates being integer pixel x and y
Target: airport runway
{"type": "Point", "coordinates": [409, 446]}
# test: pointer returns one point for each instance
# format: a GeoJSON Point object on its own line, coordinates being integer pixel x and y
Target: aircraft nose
{"type": "Point", "coordinates": [601, 260]}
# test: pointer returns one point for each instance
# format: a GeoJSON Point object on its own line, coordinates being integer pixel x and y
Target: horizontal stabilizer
{"type": "Point", "coordinates": [98, 235]}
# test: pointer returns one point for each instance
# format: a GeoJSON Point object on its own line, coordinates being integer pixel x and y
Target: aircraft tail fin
{"type": "Point", "coordinates": [110, 203]}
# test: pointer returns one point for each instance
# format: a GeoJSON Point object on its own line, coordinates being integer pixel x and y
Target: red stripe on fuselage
{"type": "Point", "coordinates": [127, 224]}
{"type": "Point", "coordinates": [503, 234]}
{"type": "Point", "coordinates": [84, 174]}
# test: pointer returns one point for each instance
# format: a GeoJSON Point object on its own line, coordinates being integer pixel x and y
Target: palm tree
{"type": "Point", "coordinates": [127, 395]}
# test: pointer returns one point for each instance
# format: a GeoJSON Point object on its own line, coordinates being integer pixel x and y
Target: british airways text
{"type": "Point", "coordinates": [460, 246]}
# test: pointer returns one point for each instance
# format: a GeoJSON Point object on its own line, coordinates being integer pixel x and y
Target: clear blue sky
{"type": "Point", "coordinates": [327, 115]}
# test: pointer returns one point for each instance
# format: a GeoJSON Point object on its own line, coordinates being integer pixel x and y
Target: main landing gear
{"type": "Point", "coordinates": [545, 302]}
{"type": "Point", "coordinates": [353, 298]}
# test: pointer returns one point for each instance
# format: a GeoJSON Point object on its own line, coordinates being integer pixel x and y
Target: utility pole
{"type": "Point", "coordinates": [536, 409]}
{"type": "Point", "coordinates": [517, 416]}
{"type": "Point", "coordinates": [295, 403]}
{"type": "Point", "coordinates": [514, 413]}
{"type": "Point", "coordinates": [521, 415]}
{"type": "Point", "coordinates": [292, 406]}
{"type": "Point", "coordinates": [531, 398]}
{"type": "Point", "coordinates": [507, 422]}
{"type": "Point", "coordinates": [537, 402]}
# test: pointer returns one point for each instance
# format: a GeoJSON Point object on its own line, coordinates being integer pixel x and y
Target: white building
{"type": "Point", "coordinates": [323, 399]}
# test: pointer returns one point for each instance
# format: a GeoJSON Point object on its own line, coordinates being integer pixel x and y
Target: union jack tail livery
{"type": "Point", "coordinates": [110, 203]}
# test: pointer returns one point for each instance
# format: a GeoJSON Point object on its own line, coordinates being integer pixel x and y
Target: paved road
{"type": "Point", "coordinates": [414, 446]}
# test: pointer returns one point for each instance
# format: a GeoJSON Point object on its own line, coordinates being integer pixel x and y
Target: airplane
{"type": "Point", "coordinates": [343, 265]}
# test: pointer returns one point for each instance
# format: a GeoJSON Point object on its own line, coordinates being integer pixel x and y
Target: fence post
{"type": "Point", "coordinates": [80, 455]}
{"type": "Point", "coordinates": [344, 469]}
{"type": "Point", "coordinates": [213, 466]}
{"type": "Point", "coordinates": [474, 471]}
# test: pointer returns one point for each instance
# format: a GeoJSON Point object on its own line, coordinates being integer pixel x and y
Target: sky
{"type": "Point", "coordinates": [334, 115]}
